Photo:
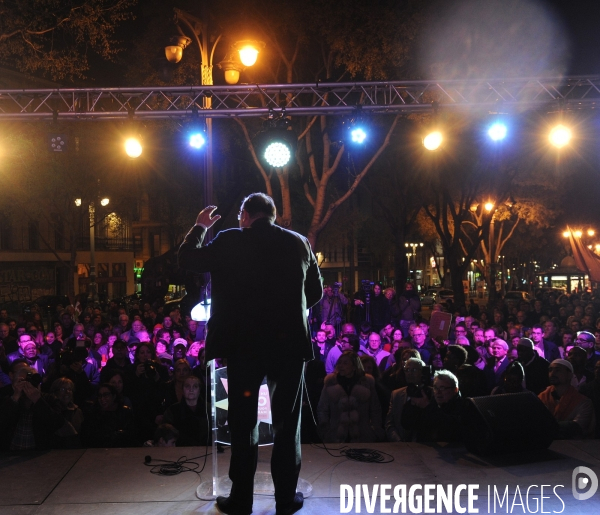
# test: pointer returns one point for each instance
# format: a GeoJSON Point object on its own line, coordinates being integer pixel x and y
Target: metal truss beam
{"type": "Point", "coordinates": [259, 100]}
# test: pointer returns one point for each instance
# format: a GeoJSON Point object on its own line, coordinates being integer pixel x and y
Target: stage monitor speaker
{"type": "Point", "coordinates": [508, 423]}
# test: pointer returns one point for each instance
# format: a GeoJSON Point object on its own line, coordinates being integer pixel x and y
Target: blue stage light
{"type": "Point", "coordinates": [497, 131]}
{"type": "Point", "coordinates": [358, 135]}
{"type": "Point", "coordinates": [197, 140]}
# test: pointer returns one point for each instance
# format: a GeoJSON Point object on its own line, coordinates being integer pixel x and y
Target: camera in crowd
{"type": "Point", "coordinates": [34, 379]}
{"type": "Point", "coordinates": [367, 288]}
{"type": "Point", "coordinates": [150, 368]}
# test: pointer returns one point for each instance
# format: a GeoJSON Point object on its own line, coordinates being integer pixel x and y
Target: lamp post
{"type": "Point", "coordinates": [93, 289]}
{"type": "Point", "coordinates": [414, 247]}
{"type": "Point", "coordinates": [247, 51]}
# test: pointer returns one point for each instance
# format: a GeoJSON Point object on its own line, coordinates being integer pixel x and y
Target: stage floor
{"type": "Point", "coordinates": [116, 481]}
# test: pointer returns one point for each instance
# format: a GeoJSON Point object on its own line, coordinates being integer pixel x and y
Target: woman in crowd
{"type": "Point", "coordinates": [108, 423]}
{"type": "Point", "coordinates": [189, 416]}
{"type": "Point", "coordinates": [349, 410]}
{"type": "Point", "coordinates": [68, 436]}
{"type": "Point", "coordinates": [117, 379]}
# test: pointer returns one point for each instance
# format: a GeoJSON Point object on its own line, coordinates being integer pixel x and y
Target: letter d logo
{"type": "Point", "coordinates": [582, 482]}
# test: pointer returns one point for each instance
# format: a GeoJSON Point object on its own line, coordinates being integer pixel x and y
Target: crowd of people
{"type": "Point", "coordinates": [386, 378]}
{"type": "Point", "coordinates": [103, 377]}
{"type": "Point", "coordinates": [110, 376]}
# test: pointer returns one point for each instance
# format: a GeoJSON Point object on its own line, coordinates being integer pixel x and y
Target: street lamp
{"type": "Point", "coordinates": [247, 51]}
{"type": "Point", "coordinates": [93, 290]}
{"type": "Point", "coordinates": [414, 247]}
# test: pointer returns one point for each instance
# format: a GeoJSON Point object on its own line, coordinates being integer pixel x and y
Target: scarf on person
{"type": "Point", "coordinates": [561, 407]}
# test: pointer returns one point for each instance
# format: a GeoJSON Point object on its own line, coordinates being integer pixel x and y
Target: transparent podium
{"type": "Point", "coordinates": [220, 484]}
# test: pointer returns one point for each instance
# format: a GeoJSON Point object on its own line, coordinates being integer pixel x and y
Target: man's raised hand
{"type": "Point", "coordinates": [205, 217]}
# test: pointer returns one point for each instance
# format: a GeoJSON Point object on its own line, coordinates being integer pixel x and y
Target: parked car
{"type": "Point", "coordinates": [516, 297]}
{"type": "Point", "coordinates": [428, 296]}
{"type": "Point", "coordinates": [444, 295]}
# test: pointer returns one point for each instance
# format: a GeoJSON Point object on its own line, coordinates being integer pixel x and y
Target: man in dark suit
{"type": "Point", "coordinates": [546, 349]}
{"type": "Point", "coordinates": [264, 278]}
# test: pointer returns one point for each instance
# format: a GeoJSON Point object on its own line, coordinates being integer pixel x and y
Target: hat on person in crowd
{"type": "Point", "coordinates": [157, 327]}
{"type": "Point", "coordinates": [564, 363]}
{"type": "Point", "coordinates": [180, 341]}
{"type": "Point", "coordinates": [526, 342]}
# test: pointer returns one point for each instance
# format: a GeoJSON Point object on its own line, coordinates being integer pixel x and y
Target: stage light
{"type": "Point", "coordinates": [104, 202]}
{"type": "Point", "coordinates": [133, 147]}
{"type": "Point", "coordinates": [197, 140]}
{"type": "Point", "coordinates": [577, 234]}
{"type": "Point", "coordinates": [201, 312]}
{"type": "Point", "coordinates": [591, 232]}
{"type": "Point", "coordinates": [489, 206]}
{"type": "Point", "coordinates": [358, 135]}
{"type": "Point", "coordinates": [433, 140]}
{"type": "Point", "coordinates": [277, 154]}
{"type": "Point", "coordinates": [497, 131]}
{"type": "Point", "coordinates": [566, 234]}
{"type": "Point", "coordinates": [560, 136]}
{"type": "Point", "coordinates": [276, 144]}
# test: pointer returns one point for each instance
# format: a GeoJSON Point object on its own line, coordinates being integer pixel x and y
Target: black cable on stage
{"type": "Point", "coordinates": [172, 468]}
{"type": "Point", "coordinates": [363, 455]}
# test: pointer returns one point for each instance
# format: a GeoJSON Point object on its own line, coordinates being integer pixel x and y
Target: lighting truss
{"type": "Point", "coordinates": [259, 100]}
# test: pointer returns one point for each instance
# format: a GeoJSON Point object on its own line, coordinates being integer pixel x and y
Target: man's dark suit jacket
{"type": "Point", "coordinates": [263, 279]}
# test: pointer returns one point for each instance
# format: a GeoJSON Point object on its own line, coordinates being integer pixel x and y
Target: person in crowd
{"type": "Point", "coordinates": [592, 391]}
{"type": "Point", "coordinates": [386, 337]}
{"type": "Point", "coordinates": [147, 392]}
{"type": "Point", "coordinates": [190, 415]}
{"type": "Point", "coordinates": [573, 411]}
{"type": "Point", "coordinates": [165, 436]}
{"type": "Point", "coordinates": [375, 349]}
{"type": "Point", "coordinates": [347, 342]}
{"type": "Point", "coordinates": [535, 367]}
{"type": "Point", "coordinates": [513, 380]}
{"type": "Point", "coordinates": [497, 364]}
{"type": "Point", "coordinates": [418, 341]}
{"type": "Point", "coordinates": [28, 351]}
{"type": "Point", "coordinates": [581, 375]}
{"type": "Point", "coordinates": [409, 307]}
{"type": "Point", "coordinates": [28, 421]}
{"type": "Point", "coordinates": [394, 378]}
{"type": "Point", "coordinates": [545, 349]}
{"type": "Point", "coordinates": [174, 388]}
{"type": "Point", "coordinates": [416, 376]}
{"type": "Point", "coordinates": [383, 394]}
{"type": "Point", "coordinates": [119, 361]}
{"type": "Point", "coordinates": [7, 341]}
{"type": "Point", "coordinates": [119, 380]}
{"type": "Point", "coordinates": [333, 304]}
{"type": "Point", "coordinates": [107, 422]}
{"type": "Point", "coordinates": [439, 419]}
{"type": "Point", "coordinates": [587, 341]}
{"type": "Point", "coordinates": [349, 409]}
{"type": "Point", "coordinates": [379, 309]}
{"type": "Point", "coordinates": [68, 436]}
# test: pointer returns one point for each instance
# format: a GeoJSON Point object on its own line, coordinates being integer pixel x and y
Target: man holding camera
{"type": "Point", "coordinates": [27, 421]}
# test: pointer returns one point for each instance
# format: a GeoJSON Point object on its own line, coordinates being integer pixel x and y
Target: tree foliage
{"type": "Point", "coordinates": [55, 37]}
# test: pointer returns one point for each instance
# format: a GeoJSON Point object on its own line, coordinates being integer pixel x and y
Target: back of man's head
{"type": "Point", "coordinates": [260, 205]}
